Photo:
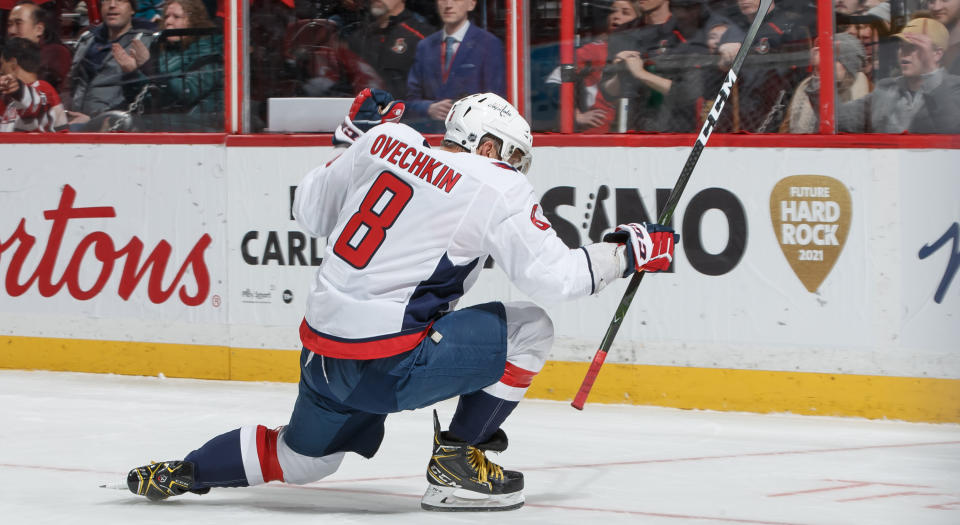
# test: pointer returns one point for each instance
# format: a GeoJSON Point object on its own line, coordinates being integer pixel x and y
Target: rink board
{"type": "Point", "coordinates": [874, 397]}
{"type": "Point", "coordinates": [809, 281]}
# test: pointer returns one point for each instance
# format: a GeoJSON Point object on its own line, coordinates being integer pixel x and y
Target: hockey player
{"type": "Point", "coordinates": [409, 227]}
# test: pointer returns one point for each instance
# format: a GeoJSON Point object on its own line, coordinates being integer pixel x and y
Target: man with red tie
{"type": "Point", "coordinates": [450, 64]}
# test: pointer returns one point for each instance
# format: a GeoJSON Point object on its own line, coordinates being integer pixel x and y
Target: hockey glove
{"type": "Point", "coordinates": [649, 247]}
{"type": "Point", "coordinates": [370, 108]}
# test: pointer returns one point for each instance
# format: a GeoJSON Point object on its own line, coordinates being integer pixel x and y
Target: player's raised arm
{"type": "Point", "coordinates": [370, 107]}
{"type": "Point", "coordinates": [328, 184]}
{"type": "Point", "coordinates": [321, 193]}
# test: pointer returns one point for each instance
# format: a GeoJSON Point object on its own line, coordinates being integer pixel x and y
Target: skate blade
{"type": "Point", "coordinates": [452, 499]}
{"type": "Point", "coordinates": [120, 484]}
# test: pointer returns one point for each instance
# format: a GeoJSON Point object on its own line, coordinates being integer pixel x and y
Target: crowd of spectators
{"type": "Point", "coordinates": [191, 102]}
{"type": "Point", "coordinates": [593, 113]}
{"type": "Point", "coordinates": [802, 114]}
{"type": "Point", "coordinates": [645, 66]}
{"type": "Point", "coordinates": [429, 53]}
{"type": "Point", "coordinates": [923, 98]}
{"type": "Point", "coordinates": [131, 65]}
{"type": "Point", "coordinates": [668, 67]}
{"type": "Point", "coordinates": [895, 67]}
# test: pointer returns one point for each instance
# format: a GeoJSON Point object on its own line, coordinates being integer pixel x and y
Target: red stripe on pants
{"type": "Point", "coordinates": [267, 453]}
{"type": "Point", "coordinates": [516, 377]}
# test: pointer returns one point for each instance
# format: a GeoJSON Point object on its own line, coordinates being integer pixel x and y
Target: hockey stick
{"type": "Point", "coordinates": [671, 204]}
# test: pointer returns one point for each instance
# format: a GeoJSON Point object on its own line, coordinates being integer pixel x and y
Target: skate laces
{"type": "Point", "coordinates": [484, 467]}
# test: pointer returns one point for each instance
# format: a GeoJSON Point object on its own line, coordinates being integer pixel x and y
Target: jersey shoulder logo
{"type": "Point", "coordinates": [537, 218]}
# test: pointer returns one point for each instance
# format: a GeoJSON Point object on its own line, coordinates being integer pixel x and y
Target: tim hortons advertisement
{"type": "Point", "coordinates": [107, 236]}
{"type": "Point", "coordinates": [97, 254]}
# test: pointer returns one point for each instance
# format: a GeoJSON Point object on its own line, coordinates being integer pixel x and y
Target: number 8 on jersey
{"type": "Point", "coordinates": [376, 216]}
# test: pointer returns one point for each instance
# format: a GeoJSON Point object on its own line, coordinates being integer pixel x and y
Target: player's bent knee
{"type": "Point", "coordinates": [530, 335]}
{"type": "Point", "coordinates": [299, 469]}
{"type": "Point", "coordinates": [544, 332]}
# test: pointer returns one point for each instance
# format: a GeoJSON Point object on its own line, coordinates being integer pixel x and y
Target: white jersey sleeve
{"type": "Point", "coordinates": [319, 197]}
{"type": "Point", "coordinates": [532, 255]}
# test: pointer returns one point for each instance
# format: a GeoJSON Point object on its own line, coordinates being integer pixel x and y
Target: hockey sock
{"type": "Point", "coordinates": [219, 462]}
{"type": "Point", "coordinates": [479, 415]}
{"type": "Point", "coordinates": [253, 455]}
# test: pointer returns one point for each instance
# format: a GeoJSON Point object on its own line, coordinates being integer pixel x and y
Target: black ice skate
{"type": "Point", "coordinates": [463, 479]}
{"type": "Point", "coordinates": [159, 481]}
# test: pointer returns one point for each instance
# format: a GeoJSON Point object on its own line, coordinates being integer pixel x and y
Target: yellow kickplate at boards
{"type": "Point", "coordinates": [903, 398]}
{"type": "Point", "coordinates": [875, 397]}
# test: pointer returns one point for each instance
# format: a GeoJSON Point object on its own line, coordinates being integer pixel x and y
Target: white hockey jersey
{"type": "Point", "coordinates": [37, 108]}
{"type": "Point", "coordinates": [408, 230]}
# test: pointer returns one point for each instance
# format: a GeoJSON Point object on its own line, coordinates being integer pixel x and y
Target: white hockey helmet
{"type": "Point", "coordinates": [474, 116]}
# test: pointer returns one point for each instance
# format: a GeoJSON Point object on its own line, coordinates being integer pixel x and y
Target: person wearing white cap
{"type": "Point", "coordinates": [923, 99]}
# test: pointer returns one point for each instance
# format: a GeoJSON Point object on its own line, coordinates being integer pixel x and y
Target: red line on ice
{"type": "Point", "coordinates": [849, 485]}
{"type": "Point", "coordinates": [583, 465]}
{"type": "Point", "coordinates": [893, 495]}
{"type": "Point", "coordinates": [561, 507]}
{"type": "Point", "coordinates": [746, 455]}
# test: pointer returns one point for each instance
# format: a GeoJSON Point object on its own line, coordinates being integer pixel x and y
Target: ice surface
{"type": "Point", "coordinates": [63, 434]}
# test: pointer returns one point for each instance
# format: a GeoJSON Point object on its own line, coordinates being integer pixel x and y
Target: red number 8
{"type": "Point", "coordinates": [359, 254]}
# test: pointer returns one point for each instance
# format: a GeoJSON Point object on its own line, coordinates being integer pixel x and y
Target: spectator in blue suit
{"type": "Point", "coordinates": [450, 64]}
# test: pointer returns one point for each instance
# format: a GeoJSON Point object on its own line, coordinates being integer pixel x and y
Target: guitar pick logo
{"type": "Point", "coordinates": [811, 220]}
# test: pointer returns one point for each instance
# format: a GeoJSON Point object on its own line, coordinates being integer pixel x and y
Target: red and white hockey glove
{"type": "Point", "coordinates": [370, 107]}
{"type": "Point", "coordinates": [649, 247]}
